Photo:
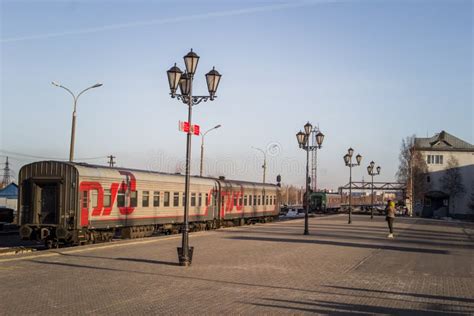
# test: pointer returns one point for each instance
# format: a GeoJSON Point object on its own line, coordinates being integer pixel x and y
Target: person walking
{"type": "Point", "coordinates": [390, 216]}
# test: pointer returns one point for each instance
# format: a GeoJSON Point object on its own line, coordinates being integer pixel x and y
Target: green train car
{"type": "Point", "coordinates": [324, 202]}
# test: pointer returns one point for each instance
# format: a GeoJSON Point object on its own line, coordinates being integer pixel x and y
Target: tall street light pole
{"type": "Point", "coordinates": [264, 166]}
{"type": "Point", "coordinates": [348, 161]}
{"type": "Point", "coordinates": [372, 173]}
{"type": "Point", "coordinates": [74, 114]}
{"type": "Point", "coordinates": [185, 82]}
{"type": "Point", "coordinates": [202, 146]}
{"type": "Point", "coordinates": [303, 142]}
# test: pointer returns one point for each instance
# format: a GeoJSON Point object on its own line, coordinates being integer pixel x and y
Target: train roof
{"type": "Point", "coordinates": [93, 170]}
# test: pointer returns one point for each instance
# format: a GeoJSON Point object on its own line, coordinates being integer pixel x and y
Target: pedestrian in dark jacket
{"type": "Point", "coordinates": [390, 217]}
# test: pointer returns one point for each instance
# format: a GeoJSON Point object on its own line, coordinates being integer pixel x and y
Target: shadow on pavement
{"type": "Point", "coordinates": [343, 244]}
{"type": "Point", "coordinates": [403, 237]}
{"type": "Point", "coordinates": [430, 296]}
{"type": "Point", "coordinates": [337, 308]}
{"type": "Point", "coordinates": [121, 259]}
{"type": "Point", "coordinates": [148, 261]}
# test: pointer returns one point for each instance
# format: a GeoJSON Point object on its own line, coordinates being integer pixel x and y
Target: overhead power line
{"type": "Point", "coordinates": [21, 155]}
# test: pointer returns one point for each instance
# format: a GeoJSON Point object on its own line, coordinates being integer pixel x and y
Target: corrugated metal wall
{"type": "Point", "coordinates": [44, 171]}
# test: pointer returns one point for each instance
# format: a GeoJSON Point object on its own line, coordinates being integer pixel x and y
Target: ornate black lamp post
{"type": "Point", "coordinates": [185, 81]}
{"type": "Point", "coordinates": [348, 161]}
{"type": "Point", "coordinates": [303, 142]}
{"type": "Point", "coordinates": [372, 173]}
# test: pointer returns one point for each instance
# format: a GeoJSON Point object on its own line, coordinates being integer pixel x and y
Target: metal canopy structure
{"type": "Point", "coordinates": [383, 186]}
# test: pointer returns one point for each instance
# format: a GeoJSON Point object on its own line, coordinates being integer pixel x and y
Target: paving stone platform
{"type": "Point", "coordinates": [427, 269]}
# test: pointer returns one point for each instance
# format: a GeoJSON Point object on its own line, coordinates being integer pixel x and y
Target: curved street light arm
{"type": "Point", "coordinates": [91, 87]}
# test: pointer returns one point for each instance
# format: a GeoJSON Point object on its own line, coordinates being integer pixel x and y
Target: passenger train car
{"type": "Point", "coordinates": [74, 203]}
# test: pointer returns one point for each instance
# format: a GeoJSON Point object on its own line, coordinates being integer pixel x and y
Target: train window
{"type": "Point", "coordinates": [175, 199]}
{"type": "Point", "coordinates": [241, 200]}
{"type": "Point", "coordinates": [94, 194]}
{"type": "Point", "coordinates": [145, 198]}
{"type": "Point", "coordinates": [254, 200]}
{"type": "Point", "coordinates": [84, 199]}
{"type": "Point", "coordinates": [245, 200]}
{"type": "Point", "coordinates": [121, 198]}
{"type": "Point", "coordinates": [200, 199]}
{"type": "Point", "coordinates": [184, 199]}
{"type": "Point", "coordinates": [133, 198]}
{"type": "Point", "coordinates": [107, 197]}
{"type": "Point", "coordinates": [207, 199]}
{"type": "Point", "coordinates": [266, 200]}
{"type": "Point", "coordinates": [156, 198]}
{"type": "Point", "coordinates": [259, 200]}
{"type": "Point", "coordinates": [193, 199]}
{"type": "Point", "coordinates": [235, 200]}
{"type": "Point", "coordinates": [166, 199]}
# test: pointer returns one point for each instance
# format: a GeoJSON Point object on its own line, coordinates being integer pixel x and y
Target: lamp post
{"type": "Point", "coordinates": [202, 146]}
{"type": "Point", "coordinates": [185, 82]}
{"type": "Point", "coordinates": [264, 152]}
{"type": "Point", "coordinates": [74, 113]}
{"type": "Point", "coordinates": [348, 162]}
{"type": "Point", "coordinates": [372, 173]}
{"type": "Point", "coordinates": [303, 142]}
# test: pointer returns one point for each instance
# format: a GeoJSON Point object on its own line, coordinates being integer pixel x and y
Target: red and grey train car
{"type": "Point", "coordinates": [78, 203]}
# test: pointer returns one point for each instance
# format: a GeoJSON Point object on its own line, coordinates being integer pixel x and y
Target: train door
{"type": "Point", "coordinates": [46, 202]}
{"type": "Point", "coordinates": [85, 202]}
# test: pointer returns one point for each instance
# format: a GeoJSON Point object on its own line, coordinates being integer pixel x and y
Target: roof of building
{"type": "Point", "coordinates": [10, 191]}
{"type": "Point", "coordinates": [443, 141]}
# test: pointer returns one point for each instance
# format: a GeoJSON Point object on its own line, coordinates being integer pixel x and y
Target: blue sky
{"type": "Point", "coordinates": [369, 73]}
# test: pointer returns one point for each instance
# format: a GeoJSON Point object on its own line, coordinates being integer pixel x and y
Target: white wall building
{"type": "Point", "coordinates": [436, 152]}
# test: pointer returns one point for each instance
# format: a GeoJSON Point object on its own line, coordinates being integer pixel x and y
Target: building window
{"type": "Point", "coordinates": [133, 198]}
{"type": "Point", "coordinates": [146, 198]}
{"type": "Point", "coordinates": [193, 199]}
{"type": "Point", "coordinates": [166, 199]}
{"type": "Point", "coordinates": [156, 198]}
{"type": "Point", "coordinates": [434, 159]}
{"type": "Point", "coordinates": [176, 199]}
{"type": "Point", "coordinates": [107, 198]}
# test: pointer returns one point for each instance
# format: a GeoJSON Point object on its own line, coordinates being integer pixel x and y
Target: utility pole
{"type": "Point", "coordinates": [111, 160]}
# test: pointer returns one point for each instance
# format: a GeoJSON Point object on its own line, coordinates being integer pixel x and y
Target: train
{"type": "Point", "coordinates": [327, 202]}
{"type": "Point", "coordinates": [324, 202]}
{"type": "Point", "coordinates": [77, 203]}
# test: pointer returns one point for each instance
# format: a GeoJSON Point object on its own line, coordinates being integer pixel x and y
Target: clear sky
{"type": "Point", "coordinates": [368, 72]}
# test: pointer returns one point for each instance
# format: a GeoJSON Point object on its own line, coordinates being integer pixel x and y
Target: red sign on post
{"type": "Point", "coordinates": [196, 130]}
{"type": "Point", "coordinates": [184, 127]}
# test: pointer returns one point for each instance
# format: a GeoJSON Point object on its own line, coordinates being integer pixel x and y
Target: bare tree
{"type": "Point", "coordinates": [403, 173]}
{"type": "Point", "coordinates": [451, 182]}
{"type": "Point", "coordinates": [412, 170]}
